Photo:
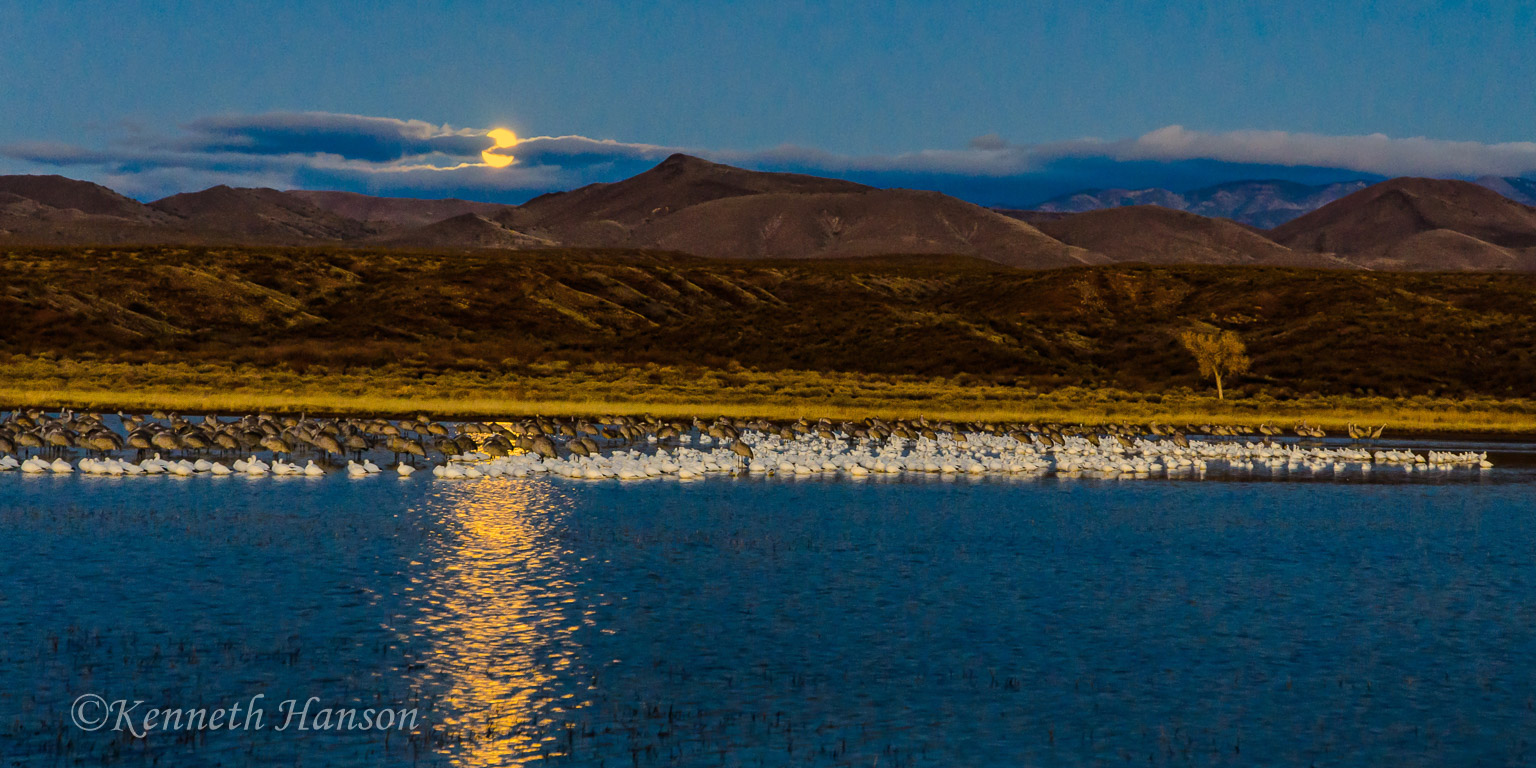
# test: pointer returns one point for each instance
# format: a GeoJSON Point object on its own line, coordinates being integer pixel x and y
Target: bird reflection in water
{"type": "Point", "coordinates": [501, 615]}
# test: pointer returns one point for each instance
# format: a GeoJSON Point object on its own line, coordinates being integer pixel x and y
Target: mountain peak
{"type": "Point", "coordinates": [679, 165]}
{"type": "Point", "coordinates": [603, 214]}
{"type": "Point", "coordinates": [680, 160]}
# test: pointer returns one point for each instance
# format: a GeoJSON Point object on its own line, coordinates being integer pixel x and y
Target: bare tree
{"type": "Point", "coordinates": [1218, 353]}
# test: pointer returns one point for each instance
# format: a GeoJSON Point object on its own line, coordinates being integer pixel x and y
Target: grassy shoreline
{"type": "Point", "coordinates": [562, 390]}
{"type": "Point", "coordinates": [1307, 331]}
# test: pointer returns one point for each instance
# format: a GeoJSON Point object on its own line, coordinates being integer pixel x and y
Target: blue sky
{"type": "Point", "coordinates": [1003, 102]}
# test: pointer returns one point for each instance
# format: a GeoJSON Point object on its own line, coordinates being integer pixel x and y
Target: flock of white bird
{"type": "Point", "coordinates": [975, 453]}
{"type": "Point", "coordinates": [181, 468]}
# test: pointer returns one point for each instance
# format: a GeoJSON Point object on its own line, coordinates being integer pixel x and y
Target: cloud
{"type": "Point", "coordinates": [384, 155]}
{"type": "Point", "coordinates": [357, 137]}
{"type": "Point", "coordinates": [382, 144]}
{"type": "Point", "coordinates": [1375, 153]}
{"type": "Point", "coordinates": [55, 153]}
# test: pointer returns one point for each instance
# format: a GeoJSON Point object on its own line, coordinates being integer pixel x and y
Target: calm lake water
{"type": "Point", "coordinates": [1234, 620]}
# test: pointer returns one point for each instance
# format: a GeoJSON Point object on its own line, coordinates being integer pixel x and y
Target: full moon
{"type": "Point", "coordinates": [504, 139]}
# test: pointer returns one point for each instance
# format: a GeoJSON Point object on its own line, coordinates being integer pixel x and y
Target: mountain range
{"type": "Point", "coordinates": [1260, 204]}
{"type": "Point", "coordinates": [689, 205]}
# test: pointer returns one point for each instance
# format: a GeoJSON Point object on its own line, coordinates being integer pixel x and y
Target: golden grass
{"type": "Point", "coordinates": [561, 390]}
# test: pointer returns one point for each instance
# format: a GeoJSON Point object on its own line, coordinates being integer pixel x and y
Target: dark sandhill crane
{"type": "Point", "coordinates": [29, 440]}
{"type": "Point", "coordinates": [741, 449]}
{"type": "Point", "coordinates": [102, 441]}
{"type": "Point", "coordinates": [357, 444]}
{"type": "Point", "coordinates": [444, 446]}
{"type": "Point", "coordinates": [166, 441]}
{"type": "Point", "coordinates": [59, 438]}
{"type": "Point", "coordinates": [544, 447]}
{"type": "Point", "coordinates": [396, 445]}
{"type": "Point", "coordinates": [328, 444]}
{"type": "Point", "coordinates": [196, 441]}
{"type": "Point", "coordinates": [496, 447]}
{"type": "Point", "coordinates": [278, 444]}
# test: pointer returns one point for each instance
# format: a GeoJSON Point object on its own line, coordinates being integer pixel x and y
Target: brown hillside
{"type": "Point", "coordinates": [1445, 250]}
{"type": "Point", "coordinates": [1370, 222]}
{"type": "Point", "coordinates": [866, 223]}
{"type": "Point", "coordinates": [258, 215]}
{"type": "Point", "coordinates": [1031, 217]}
{"type": "Point", "coordinates": [395, 212]}
{"type": "Point", "coordinates": [1154, 235]}
{"type": "Point", "coordinates": [24, 220]}
{"type": "Point", "coordinates": [70, 194]}
{"type": "Point", "coordinates": [468, 231]}
{"type": "Point", "coordinates": [603, 214]}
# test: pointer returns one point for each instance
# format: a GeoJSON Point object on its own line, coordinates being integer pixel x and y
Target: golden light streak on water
{"type": "Point", "coordinates": [501, 616]}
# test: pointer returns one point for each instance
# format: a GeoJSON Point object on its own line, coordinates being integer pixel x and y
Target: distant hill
{"type": "Point", "coordinates": [1154, 235]}
{"type": "Point", "coordinates": [1032, 217]}
{"type": "Point", "coordinates": [259, 215]}
{"type": "Point", "coordinates": [1261, 204]}
{"type": "Point", "coordinates": [1420, 224]}
{"type": "Point", "coordinates": [1445, 250]}
{"type": "Point", "coordinates": [864, 223]}
{"type": "Point", "coordinates": [391, 213]}
{"type": "Point", "coordinates": [1098, 199]}
{"type": "Point", "coordinates": [56, 210]}
{"type": "Point", "coordinates": [469, 231]}
{"type": "Point", "coordinates": [689, 205]}
{"type": "Point", "coordinates": [695, 206]}
{"type": "Point", "coordinates": [605, 214]}
{"type": "Point", "coordinates": [69, 194]}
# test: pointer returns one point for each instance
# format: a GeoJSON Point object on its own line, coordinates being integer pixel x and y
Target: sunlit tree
{"type": "Point", "coordinates": [1218, 353]}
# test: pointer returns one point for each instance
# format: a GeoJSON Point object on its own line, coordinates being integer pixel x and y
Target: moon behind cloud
{"type": "Point", "coordinates": [504, 139]}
